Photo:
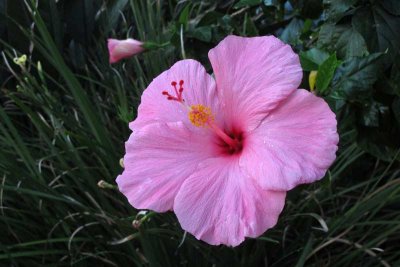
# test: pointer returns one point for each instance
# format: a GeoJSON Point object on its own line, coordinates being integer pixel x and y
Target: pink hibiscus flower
{"type": "Point", "coordinates": [222, 153]}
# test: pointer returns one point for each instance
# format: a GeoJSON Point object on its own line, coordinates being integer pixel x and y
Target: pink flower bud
{"type": "Point", "coordinates": [119, 49]}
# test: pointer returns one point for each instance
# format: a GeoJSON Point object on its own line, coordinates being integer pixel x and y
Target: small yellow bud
{"type": "Point", "coordinates": [39, 66]}
{"type": "Point", "coordinates": [20, 61]}
{"type": "Point", "coordinates": [104, 185]}
{"type": "Point", "coordinates": [312, 79]}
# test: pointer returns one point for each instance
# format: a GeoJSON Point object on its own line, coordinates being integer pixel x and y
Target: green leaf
{"type": "Point", "coordinates": [325, 72]}
{"type": "Point", "coordinates": [210, 18]}
{"type": "Point", "coordinates": [355, 77]}
{"type": "Point", "coordinates": [243, 3]}
{"type": "Point", "coordinates": [336, 8]}
{"type": "Point", "coordinates": [292, 32]}
{"type": "Point", "coordinates": [329, 35]}
{"type": "Point", "coordinates": [113, 10]}
{"type": "Point", "coordinates": [184, 16]}
{"type": "Point", "coordinates": [249, 28]}
{"type": "Point", "coordinates": [380, 30]}
{"type": "Point", "coordinates": [203, 33]}
{"type": "Point", "coordinates": [31, 253]}
{"type": "Point", "coordinates": [351, 44]}
{"type": "Point", "coordinates": [308, 23]}
{"type": "Point", "coordinates": [306, 250]}
{"type": "Point", "coordinates": [311, 59]}
{"type": "Point", "coordinates": [344, 39]}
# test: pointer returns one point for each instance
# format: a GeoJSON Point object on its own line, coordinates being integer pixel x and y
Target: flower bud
{"type": "Point", "coordinates": [119, 49]}
{"type": "Point", "coordinates": [104, 185]}
{"type": "Point", "coordinates": [21, 61]}
{"type": "Point", "coordinates": [312, 79]}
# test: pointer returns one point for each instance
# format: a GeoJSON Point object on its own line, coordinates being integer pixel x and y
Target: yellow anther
{"type": "Point", "coordinates": [200, 115]}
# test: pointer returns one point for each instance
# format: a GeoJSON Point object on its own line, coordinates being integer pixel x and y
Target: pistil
{"type": "Point", "coordinates": [233, 143]}
{"type": "Point", "coordinates": [178, 92]}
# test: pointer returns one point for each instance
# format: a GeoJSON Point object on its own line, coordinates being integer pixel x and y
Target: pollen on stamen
{"type": "Point", "coordinates": [200, 115]}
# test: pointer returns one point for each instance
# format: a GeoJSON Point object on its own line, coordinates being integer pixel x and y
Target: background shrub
{"type": "Point", "coordinates": [64, 116]}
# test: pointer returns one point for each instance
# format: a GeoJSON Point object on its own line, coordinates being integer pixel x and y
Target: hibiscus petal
{"type": "Point", "coordinates": [159, 157]}
{"type": "Point", "coordinates": [199, 88]}
{"type": "Point", "coordinates": [253, 76]}
{"type": "Point", "coordinates": [220, 205]}
{"type": "Point", "coordinates": [295, 144]}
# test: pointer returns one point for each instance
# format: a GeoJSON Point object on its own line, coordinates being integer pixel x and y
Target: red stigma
{"type": "Point", "coordinates": [180, 86]}
{"type": "Point", "coordinates": [178, 92]}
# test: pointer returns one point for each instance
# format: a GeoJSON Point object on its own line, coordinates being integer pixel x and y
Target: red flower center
{"type": "Point", "coordinates": [201, 116]}
{"type": "Point", "coordinates": [234, 147]}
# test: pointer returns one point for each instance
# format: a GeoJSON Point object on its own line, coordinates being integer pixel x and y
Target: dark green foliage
{"type": "Point", "coordinates": [63, 124]}
{"type": "Point", "coordinates": [355, 77]}
{"type": "Point", "coordinates": [325, 72]}
{"type": "Point", "coordinates": [312, 59]}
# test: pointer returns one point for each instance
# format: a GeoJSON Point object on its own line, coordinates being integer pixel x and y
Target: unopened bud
{"type": "Point", "coordinates": [20, 61]}
{"type": "Point", "coordinates": [119, 49]}
{"type": "Point", "coordinates": [136, 224]}
{"type": "Point", "coordinates": [312, 78]}
{"type": "Point", "coordinates": [104, 185]}
{"type": "Point", "coordinates": [39, 66]}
